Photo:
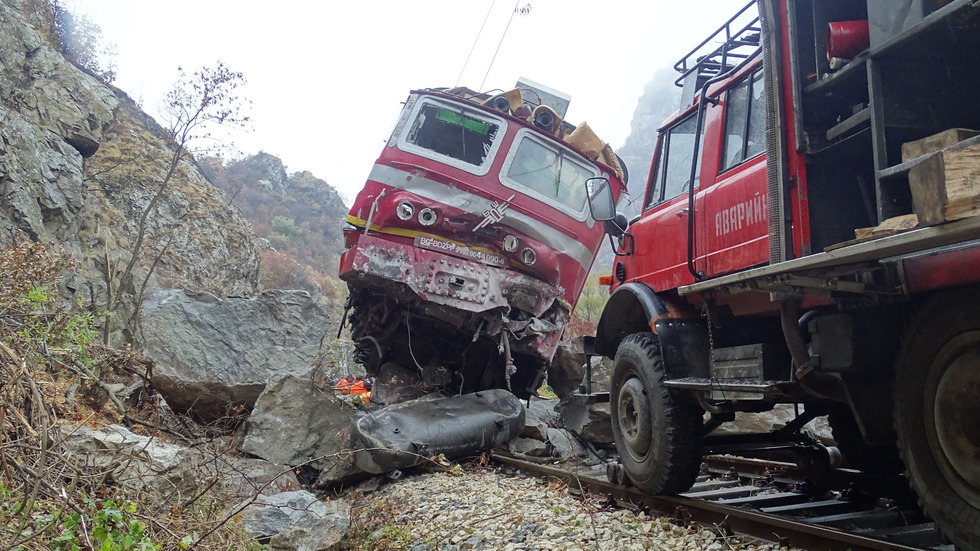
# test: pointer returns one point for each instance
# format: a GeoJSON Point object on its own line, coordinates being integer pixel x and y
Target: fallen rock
{"type": "Point", "coordinates": [567, 369]}
{"type": "Point", "coordinates": [590, 421]}
{"type": "Point", "coordinates": [316, 534]}
{"type": "Point", "coordinates": [396, 384]}
{"type": "Point", "coordinates": [528, 447]}
{"type": "Point", "coordinates": [768, 421]}
{"type": "Point", "coordinates": [295, 423]}
{"type": "Point", "coordinates": [342, 471]}
{"type": "Point", "coordinates": [539, 415]}
{"type": "Point", "coordinates": [172, 472]}
{"type": "Point", "coordinates": [213, 356]}
{"type": "Point", "coordinates": [297, 521]}
{"type": "Point", "coordinates": [565, 445]}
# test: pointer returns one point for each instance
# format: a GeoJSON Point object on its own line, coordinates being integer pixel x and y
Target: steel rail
{"type": "Point", "coordinates": [741, 521]}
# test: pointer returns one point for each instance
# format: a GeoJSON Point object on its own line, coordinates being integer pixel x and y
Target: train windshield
{"type": "Point", "coordinates": [550, 173]}
{"type": "Point", "coordinates": [452, 135]}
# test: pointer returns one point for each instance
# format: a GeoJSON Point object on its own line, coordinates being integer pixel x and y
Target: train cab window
{"type": "Point", "coordinates": [745, 121]}
{"type": "Point", "coordinates": [550, 173]}
{"type": "Point", "coordinates": [672, 174]}
{"type": "Point", "coordinates": [455, 136]}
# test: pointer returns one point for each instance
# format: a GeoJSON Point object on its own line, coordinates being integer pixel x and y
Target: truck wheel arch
{"type": "Point", "coordinates": [631, 309]}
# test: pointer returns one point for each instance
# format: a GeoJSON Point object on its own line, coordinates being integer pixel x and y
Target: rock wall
{"type": "Point", "coordinates": [79, 162]}
{"type": "Point", "coordinates": [51, 116]}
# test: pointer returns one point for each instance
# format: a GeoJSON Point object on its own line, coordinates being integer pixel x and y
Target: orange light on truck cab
{"type": "Point", "coordinates": [605, 280]}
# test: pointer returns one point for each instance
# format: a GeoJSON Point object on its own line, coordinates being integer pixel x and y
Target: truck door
{"type": "Point", "coordinates": [662, 231]}
{"type": "Point", "coordinates": [734, 218]}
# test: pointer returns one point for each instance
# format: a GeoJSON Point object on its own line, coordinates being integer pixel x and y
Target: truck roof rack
{"type": "Point", "coordinates": [738, 39]}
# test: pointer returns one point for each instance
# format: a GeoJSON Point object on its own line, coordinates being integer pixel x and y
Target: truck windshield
{"type": "Point", "coordinates": [452, 133]}
{"type": "Point", "coordinates": [550, 173]}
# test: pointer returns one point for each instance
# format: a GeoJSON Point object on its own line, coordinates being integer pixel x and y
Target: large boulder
{"type": "Point", "coordinates": [296, 423]}
{"type": "Point", "coordinates": [212, 356]}
{"type": "Point", "coordinates": [171, 472]}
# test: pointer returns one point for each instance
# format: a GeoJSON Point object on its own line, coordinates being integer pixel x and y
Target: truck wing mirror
{"type": "Point", "coordinates": [603, 207]}
{"type": "Point", "coordinates": [600, 195]}
{"type": "Point", "coordinates": [617, 226]}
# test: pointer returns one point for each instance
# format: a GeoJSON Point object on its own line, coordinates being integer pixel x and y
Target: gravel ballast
{"type": "Point", "coordinates": [497, 508]}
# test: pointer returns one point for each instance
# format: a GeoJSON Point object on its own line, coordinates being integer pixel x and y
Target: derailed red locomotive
{"type": "Point", "coordinates": [471, 240]}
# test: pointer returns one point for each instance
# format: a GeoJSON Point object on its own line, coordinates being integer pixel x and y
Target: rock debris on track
{"type": "Point", "coordinates": [487, 508]}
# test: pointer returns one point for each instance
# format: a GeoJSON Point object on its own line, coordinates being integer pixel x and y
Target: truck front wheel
{"type": "Point", "coordinates": [937, 413]}
{"type": "Point", "coordinates": [657, 436]}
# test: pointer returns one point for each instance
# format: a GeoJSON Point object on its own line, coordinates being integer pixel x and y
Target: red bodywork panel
{"type": "Point", "coordinates": [731, 204]}
{"type": "Point", "coordinates": [731, 211]}
{"type": "Point", "coordinates": [941, 269]}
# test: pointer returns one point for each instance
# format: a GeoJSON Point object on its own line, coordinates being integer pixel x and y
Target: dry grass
{"type": "Point", "coordinates": [54, 373]}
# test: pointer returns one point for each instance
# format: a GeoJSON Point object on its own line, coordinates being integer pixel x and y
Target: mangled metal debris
{"type": "Point", "coordinates": [407, 434]}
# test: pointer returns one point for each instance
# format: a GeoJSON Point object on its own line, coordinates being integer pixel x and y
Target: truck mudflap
{"type": "Point", "coordinates": [408, 434]}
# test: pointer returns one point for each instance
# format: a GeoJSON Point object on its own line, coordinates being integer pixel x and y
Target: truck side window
{"type": "Point", "coordinates": [745, 121]}
{"type": "Point", "coordinates": [672, 173]}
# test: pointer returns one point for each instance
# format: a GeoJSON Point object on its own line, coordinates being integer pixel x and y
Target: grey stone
{"type": "Point", "coordinates": [565, 445]}
{"type": "Point", "coordinates": [567, 369]}
{"type": "Point", "coordinates": [528, 446]}
{"type": "Point", "coordinates": [590, 421]}
{"type": "Point", "coordinates": [396, 384]}
{"type": "Point", "coordinates": [316, 534]}
{"type": "Point", "coordinates": [297, 521]}
{"type": "Point", "coordinates": [296, 423]}
{"type": "Point", "coordinates": [212, 355]}
{"type": "Point", "coordinates": [169, 471]}
{"type": "Point", "coordinates": [539, 415]}
{"type": "Point", "coordinates": [341, 471]}
{"type": "Point", "coordinates": [774, 419]}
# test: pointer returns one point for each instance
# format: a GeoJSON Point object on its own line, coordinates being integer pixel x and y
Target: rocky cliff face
{"type": "Point", "coordinates": [297, 212]}
{"type": "Point", "coordinates": [79, 162]}
{"type": "Point", "coordinates": [204, 241]}
{"type": "Point", "coordinates": [660, 98]}
{"type": "Point", "coordinates": [52, 115]}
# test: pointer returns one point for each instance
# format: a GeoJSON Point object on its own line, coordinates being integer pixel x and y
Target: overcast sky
{"type": "Point", "coordinates": [326, 78]}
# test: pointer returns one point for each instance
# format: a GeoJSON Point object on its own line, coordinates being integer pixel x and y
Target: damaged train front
{"type": "Point", "coordinates": [470, 242]}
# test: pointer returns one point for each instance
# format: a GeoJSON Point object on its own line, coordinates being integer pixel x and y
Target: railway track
{"type": "Point", "coordinates": [831, 510]}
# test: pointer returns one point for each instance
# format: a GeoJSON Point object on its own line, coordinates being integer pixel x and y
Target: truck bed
{"type": "Point", "coordinates": [819, 272]}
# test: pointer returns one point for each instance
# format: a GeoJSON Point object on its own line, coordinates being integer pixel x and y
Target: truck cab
{"type": "Point", "coordinates": [809, 235]}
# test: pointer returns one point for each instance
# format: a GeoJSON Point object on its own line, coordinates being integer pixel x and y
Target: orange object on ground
{"type": "Point", "coordinates": [354, 387]}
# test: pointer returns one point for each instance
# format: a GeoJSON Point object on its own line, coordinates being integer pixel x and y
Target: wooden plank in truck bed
{"type": "Point", "coordinates": [913, 241]}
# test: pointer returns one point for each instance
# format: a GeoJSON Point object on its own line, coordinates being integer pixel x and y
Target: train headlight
{"type": "Point", "coordinates": [528, 257]}
{"type": "Point", "coordinates": [510, 243]}
{"type": "Point", "coordinates": [405, 211]}
{"type": "Point", "coordinates": [427, 217]}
